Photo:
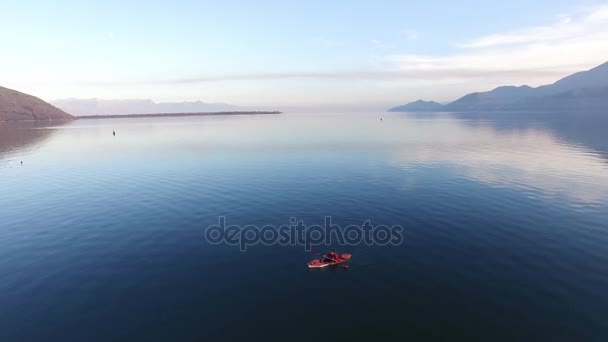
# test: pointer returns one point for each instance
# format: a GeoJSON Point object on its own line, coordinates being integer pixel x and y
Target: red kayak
{"type": "Point", "coordinates": [320, 263]}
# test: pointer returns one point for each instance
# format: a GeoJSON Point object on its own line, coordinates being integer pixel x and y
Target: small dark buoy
{"type": "Point", "coordinates": [114, 133]}
{"type": "Point", "coordinates": [21, 162]}
{"type": "Point", "coordinates": [380, 119]}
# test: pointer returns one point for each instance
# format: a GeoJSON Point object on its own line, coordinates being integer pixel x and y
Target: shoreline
{"type": "Point", "coordinates": [161, 115]}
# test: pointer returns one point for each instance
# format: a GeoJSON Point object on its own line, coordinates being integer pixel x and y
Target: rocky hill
{"type": "Point", "coordinates": [17, 106]}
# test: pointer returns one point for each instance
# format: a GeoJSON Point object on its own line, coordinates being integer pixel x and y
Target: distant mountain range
{"type": "Point", "coordinates": [89, 107]}
{"type": "Point", "coordinates": [586, 90]}
{"type": "Point", "coordinates": [17, 106]}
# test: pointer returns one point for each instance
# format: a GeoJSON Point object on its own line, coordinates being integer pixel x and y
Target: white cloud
{"type": "Point", "coordinates": [599, 15]}
{"type": "Point", "coordinates": [573, 43]}
{"type": "Point", "coordinates": [563, 29]}
{"type": "Point", "coordinates": [405, 74]}
{"type": "Point", "coordinates": [567, 27]}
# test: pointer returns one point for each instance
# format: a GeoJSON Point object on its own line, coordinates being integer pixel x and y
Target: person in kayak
{"type": "Point", "coordinates": [331, 257]}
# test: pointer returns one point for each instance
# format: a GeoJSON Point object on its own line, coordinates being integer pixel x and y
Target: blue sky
{"type": "Point", "coordinates": [338, 54]}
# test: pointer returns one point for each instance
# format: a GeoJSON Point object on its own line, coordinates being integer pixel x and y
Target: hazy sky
{"type": "Point", "coordinates": [372, 54]}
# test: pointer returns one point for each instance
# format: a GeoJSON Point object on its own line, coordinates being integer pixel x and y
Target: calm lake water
{"type": "Point", "coordinates": [505, 221]}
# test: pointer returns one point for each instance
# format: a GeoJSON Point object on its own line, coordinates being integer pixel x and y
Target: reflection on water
{"type": "Point", "coordinates": [557, 154]}
{"type": "Point", "coordinates": [20, 137]}
{"type": "Point", "coordinates": [554, 153]}
{"type": "Point", "coordinates": [522, 154]}
{"type": "Point", "coordinates": [587, 129]}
